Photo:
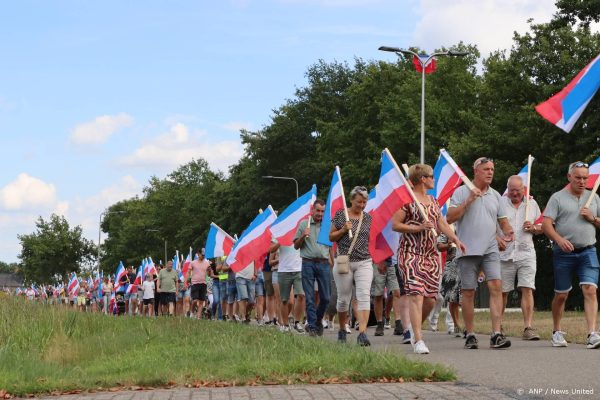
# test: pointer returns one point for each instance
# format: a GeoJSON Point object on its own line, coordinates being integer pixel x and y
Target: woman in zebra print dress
{"type": "Point", "coordinates": [418, 258]}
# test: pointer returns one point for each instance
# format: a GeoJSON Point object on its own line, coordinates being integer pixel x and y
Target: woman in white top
{"type": "Point", "coordinates": [148, 297]}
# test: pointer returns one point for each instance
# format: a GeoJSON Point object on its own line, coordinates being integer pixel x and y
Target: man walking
{"type": "Point", "coordinates": [476, 213]}
{"type": "Point", "coordinates": [316, 267]}
{"type": "Point", "coordinates": [199, 268]}
{"type": "Point", "coordinates": [167, 286]}
{"type": "Point", "coordinates": [572, 229]}
{"type": "Point", "coordinates": [517, 258]}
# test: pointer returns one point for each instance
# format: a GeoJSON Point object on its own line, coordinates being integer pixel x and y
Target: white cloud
{"type": "Point", "coordinates": [487, 23]}
{"type": "Point", "coordinates": [237, 126]}
{"type": "Point", "coordinates": [127, 187]}
{"type": "Point", "coordinates": [100, 129]}
{"type": "Point", "coordinates": [27, 192]}
{"type": "Point", "coordinates": [178, 146]}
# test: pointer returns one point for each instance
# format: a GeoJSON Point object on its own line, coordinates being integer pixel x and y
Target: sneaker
{"type": "Point", "coordinates": [342, 336]}
{"type": "Point", "coordinates": [457, 331]}
{"type": "Point", "coordinates": [593, 340]}
{"type": "Point", "coordinates": [312, 333]}
{"type": "Point", "coordinates": [421, 348]}
{"type": "Point", "coordinates": [406, 337]}
{"type": "Point", "coordinates": [363, 340]}
{"type": "Point", "coordinates": [433, 327]}
{"type": "Point", "coordinates": [386, 323]}
{"type": "Point", "coordinates": [261, 322]}
{"type": "Point", "coordinates": [320, 329]}
{"type": "Point", "coordinates": [398, 329]}
{"type": "Point", "coordinates": [325, 323]}
{"type": "Point", "coordinates": [471, 342]}
{"type": "Point", "coordinates": [558, 339]}
{"type": "Point", "coordinates": [499, 341]}
{"type": "Point", "coordinates": [298, 327]}
{"type": "Point", "coordinates": [529, 333]}
{"type": "Point", "coordinates": [284, 329]}
{"type": "Point", "coordinates": [379, 329]}
{"type": "Point", "coordinates": [348, 330]}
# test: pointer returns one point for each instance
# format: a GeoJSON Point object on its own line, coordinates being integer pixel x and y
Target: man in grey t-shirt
{"type": "Point", "coordinates": [572, 228]}
{"type": "Point", "coordinates": [476, 214]}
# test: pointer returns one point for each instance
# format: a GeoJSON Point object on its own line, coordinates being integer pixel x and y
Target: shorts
{"type": "Point", "coordinates": [232, 294]}
{"type": "Point", "coordinates": [381, 281]}
{"type": "Point", "coordinates": [80, 300]}
{"type": "Point", "coordinates": [198, 291]}
{"type": "Point", "coordinates": [149, 301]}
{"type": "Point", "coordinates": [287, 280]}
{"type": "Point", "coordinates": [275, 277]}
{"type": "Point", "coordinates": [523, 270]}
{"type": "Point", "coordinates": [259, 285]}
{"type": "Point", "coordinates": [469, 267]}
{"type": "Point", "coordinates": [269, 290]}
{"type": "Point", "coordinates": [246, 289]}
{"type": "Point", "coordinates": [450, 287]}
{"type": "Point", "coordinates": [167, 297]}
{"type": "Point", "coordinates": [584, 264]}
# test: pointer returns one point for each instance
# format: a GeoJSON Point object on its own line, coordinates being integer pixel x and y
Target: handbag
{"type": "Point", "coordinates": [343, 260]}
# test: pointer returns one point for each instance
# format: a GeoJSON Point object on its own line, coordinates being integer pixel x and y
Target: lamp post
{"type": "Point", "coordinates": [284, 177]}
{"type": "Point", "coordinates": [165, 239]}
{"type": "Point", "coordinates": [400, 52]}
{"type": "Point", "coordinates": [100, 230]}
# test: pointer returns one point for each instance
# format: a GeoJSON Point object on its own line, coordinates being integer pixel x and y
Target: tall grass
{"type": "Point", "coordinates": [49, 348]}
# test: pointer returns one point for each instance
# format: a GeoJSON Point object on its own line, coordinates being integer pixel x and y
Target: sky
{"type": "Point", "coordinates": [96, 97]}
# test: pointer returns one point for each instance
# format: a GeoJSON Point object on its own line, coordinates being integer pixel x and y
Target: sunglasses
{"type": "Point", "coordinates": [579, 164]}
{"type": "Point", "coordinates": [482, 160]}
{"type": "Point", "coordinates": [426, 176]}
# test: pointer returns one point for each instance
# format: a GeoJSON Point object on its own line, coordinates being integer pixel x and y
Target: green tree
{"type": "Point", "coordinates": [54, 250]}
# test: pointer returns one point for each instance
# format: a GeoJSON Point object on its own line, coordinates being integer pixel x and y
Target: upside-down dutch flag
{"type": "Point", "coordinates": [447, 178]}
{"type": "Point", "coordinates": [390, 195]}
{"type": "Point", "coordinates": [150, 268]}
{"type": "Point", "coordinates": [564, 108]}
{"type": "Point", "coordinates": [112, 304]}
{"type": "Point", "coordinates": [335, 202]}
{"type": "Point", "coordinates": [119, 274]}
{"type": "Point", "coordinates": [132, 288]}
{"type": "Point", "coordinates": [254, 242]}
{"type": "Point", "coordinates": [594, 171]}
{"type": "Point", "coordinates": [186, 264]}
{"type": "Point", "coordinates": [430, 65]}
{"type": "Point", "coordinates": [387, 241]}
{"type": "Point", "coordinates": [218, 242]}
{"type": "Point", "coordinates": [99, 277]}
{"type": "Point", "coordinates": [284, 227]}
{"type": "Point", "coordinates": [73, 284]}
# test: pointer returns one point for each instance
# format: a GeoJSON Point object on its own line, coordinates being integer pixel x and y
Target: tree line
{"type": "Point", "coordinates": [348, 112]}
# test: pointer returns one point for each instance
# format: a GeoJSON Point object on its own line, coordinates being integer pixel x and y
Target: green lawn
{"type": "Point", "coordinates": [47, 348]}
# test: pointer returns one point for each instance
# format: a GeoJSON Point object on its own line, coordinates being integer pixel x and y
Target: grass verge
{"type": "Point", "coordinates": [48, 349]}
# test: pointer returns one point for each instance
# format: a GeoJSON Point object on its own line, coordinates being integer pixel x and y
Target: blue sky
{"type": "Point", "coordinates": [98, 96]}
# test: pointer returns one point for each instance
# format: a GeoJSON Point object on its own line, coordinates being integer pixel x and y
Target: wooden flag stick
{"type": "Point", "coordinates": [528, 183]}
{"type": "Point", "coordinates": [594, 190]}
{"type": "Point", "coordinates": [410, 191]}
{"type": "Point", "coordinates": [337, 171]}
{"type": "Point", "coordinates": [405, 168]}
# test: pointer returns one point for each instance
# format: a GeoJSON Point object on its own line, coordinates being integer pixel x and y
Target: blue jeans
{"type": "Point", "coordinates": [316, 271]}
{"type": "Point", "coordinates": [216, 304]}
{"type": "Point", "coordinates": [584, 264]}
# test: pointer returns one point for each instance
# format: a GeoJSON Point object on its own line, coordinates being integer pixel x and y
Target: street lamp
{"type": "Point", "coordinates": [100, 231]}
{"type": "Point", "coordinates": [284, 177]}
{"type": "Point", "coordinates": [165, 239]}
{"type": "Point", "coordinates": [400, 52]}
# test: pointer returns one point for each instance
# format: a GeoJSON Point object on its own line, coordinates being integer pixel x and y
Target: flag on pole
{"type": "Point", "coordinates": [186, 265]}
{"type": "Point", "coordinates": [386, 242]}
{"type": "Point", "coordinates": [119, 274]}
{"type": "Point", "coordinates": [564, 108]}
{"type": "Point", "coordinates": [73, 284]}
{"type": "Point", "coordinates": [132, 288]}
{"type": "Point", "coordinates": [446, 175]}
{"type": "Point", "coordinates": [594, 171]}
{"type": "Point", "coordinates": [335, 202]}
{"type": "Point", "coordinates": [254, 242]}
{"type": "Point", "coordinates": [430, 66]}
{"type": "Point", "coordinates": [389, 196]}
{"type": "Point", "coordinates": [284, 227]}
{"type": "Point", "coordinates": [218, 242]}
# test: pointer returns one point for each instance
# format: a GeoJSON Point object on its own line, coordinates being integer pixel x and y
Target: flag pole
{"type": "Point", "coordinates": [337, 171]}
{"type": "Point", "coordinates": [594, 189]}
{"type": "Point", "coordinates": [528, 183]}
{"type": "Point", "coordinates": [410, 191]}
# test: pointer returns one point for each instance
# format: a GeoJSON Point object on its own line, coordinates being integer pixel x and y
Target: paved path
{"type": "Point", "coordinates": [528, 370]}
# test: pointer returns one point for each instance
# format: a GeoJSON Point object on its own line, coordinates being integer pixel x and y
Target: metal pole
{"type": "Point", "coordinates": [422, 111]}
{"type": "Point", "coordinates": [165, 252]}
{"type": "Point", "coordinates": [99, 232]}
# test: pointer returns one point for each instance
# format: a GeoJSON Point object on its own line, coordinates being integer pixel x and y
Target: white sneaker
{"type": "Point", "coordinates": [421, 348]}
{"type": "Point", "coordinates": [558, 339]}
{"type": "Point", "coordinates": [284, 328]}
{"type": "Point", "coordinates": [593, 341]}
{"type": "Point", "coordinates": [348, 330]}
{"type": "Point", "coordinates": [325, 323]}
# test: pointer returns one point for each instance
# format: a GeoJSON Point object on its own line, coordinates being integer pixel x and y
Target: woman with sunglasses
{"type": "Point", "coordinates": [418, 258]}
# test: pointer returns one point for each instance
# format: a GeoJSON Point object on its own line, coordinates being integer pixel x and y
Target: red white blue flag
{"type": "Point", "coordinates": [594, 173]}
{"type": "Point", "coordinates": [447, 178]}
{"type": "Point", "coordinates": [335, 202]}
{"type": "Point", "coordinates": [119, 274]}
{"type": "Point", "coordinates": [390, 195]}
{"type": "Point", "coordinates": [73, 284]}
{"type": "Point", "coordinates": [218, 242]}
{"type": "Point", "coordinates": [564, 108]}
{"type": "Point", "coordinates": [430, 65]}
{"type": "Point", "coordinates": [284, 227]}
{"type": "Point", "coordinates": [254, 242]}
